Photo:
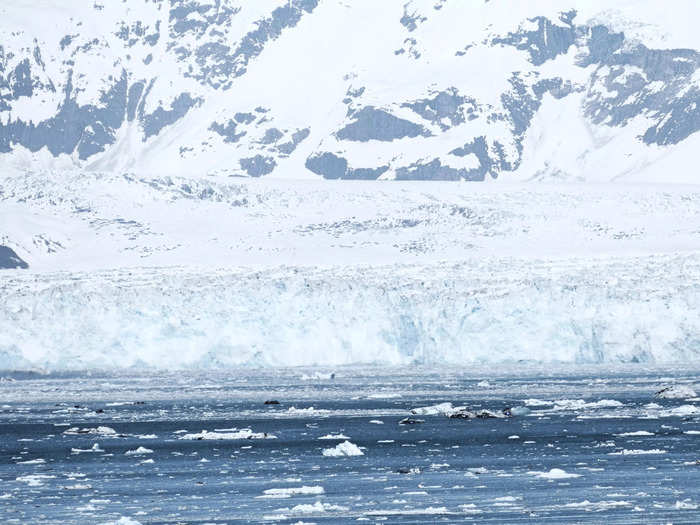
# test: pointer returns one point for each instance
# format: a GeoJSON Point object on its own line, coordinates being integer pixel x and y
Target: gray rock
{"type": "Point", "coordinates": [10, 260]}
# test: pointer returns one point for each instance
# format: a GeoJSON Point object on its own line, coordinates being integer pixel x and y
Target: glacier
{"type": "Point", "coordinates": [131, 271]}
{"type": "Point", "coordinates": [644, 309]}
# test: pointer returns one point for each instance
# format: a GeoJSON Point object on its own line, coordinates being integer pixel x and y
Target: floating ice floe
{"type": "Point", "coordinates": [98, 431]}
{"type": "Point", "coordinates": [306, 411]}
{"type": "Point", "coordinates": [122, 521]}
{"type": "Point", "coordinates": [317, 508]}
{"type": "Point", "coordinates": [386, 395]}
{"type": "Point", "coordinates": [555, 473]}
{"type": "Point", "coordinates": [409, 512]}
{"type": "Point", "coordinates": [517, 411]}
{"type": "Point", "coordinates": [470, 508]}
{"type": "Point", "coordinates": [245, 433]}
{"type": "Point", "coordinates": [94, 448]}
{"type": "Point", "coordinates": [34, 480]}
{"type": "Point", "coordinates": [536, 403]}
{"type": "Point", "coordinates": [682, 411]}
{"type": "Point", "coordinates": [138, 452]}
{"type": "Point", "coordinates": [318, 376]}
{"type": "Point", "coordinates": [459, 412]}
{"type": "Point", "coordinates": [686, 504]}
{"type": "Point", "coordinates": [346, 448]}
{"type": "Point", "coordinates": [411, 421]}
{"type": "Point", "coordinates": [637, 452]}
{"type": "Point", "coordinates": [443, 409]}
{"type": "Point", "coordinates": [292, 491]}
{"type": "Point", "coordinates": [597, 505]}
{"type": "Point", "coordinates": [78, 486]}
{"type": "Point", "coordinates": [463, 413]}
{"type": "Point", "coordinates": [676, 392]}
{"type": "Point", "coordinates": [580, 404]}
{"type": "Point", "coordinates": [334, 436]}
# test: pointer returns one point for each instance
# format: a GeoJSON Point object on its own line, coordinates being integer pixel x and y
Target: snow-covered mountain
{"type": "Point", "coordinates": [405, 89]}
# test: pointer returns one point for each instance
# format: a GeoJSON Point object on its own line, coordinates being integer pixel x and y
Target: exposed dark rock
{"type": "Point", "coordinates": [9, 260]}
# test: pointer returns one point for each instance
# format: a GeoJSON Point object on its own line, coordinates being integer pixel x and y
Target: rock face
{"type": "Point", "coordinates": [10, 260]}
{"type": "Point", "coordinates": [443, 90]}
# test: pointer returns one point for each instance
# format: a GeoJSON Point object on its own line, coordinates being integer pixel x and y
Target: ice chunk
{"type": "Point", "coordinates": [122, 521]}
{"type": "Point", "coordinates": [676, 392]}
{"type": "Point", "coordinates": [292, 491]}
{"type": "Point", "coordinates": [138, 452]}
{"type": "Point", "coordinates": [439, 409]}
{"type": "Point", "coordinates": [637, 452]}
{"type": "Point", "coordinates": [95, 448]}
{"type": "Point", "coordinates": [346, 448]}
{"type": "Point", "coordinates": [245, 433]}
{"type": "Point", "coordinates": [100, 431]}
{"type": "Point", "coordinates": [555, 473]}
{"type": "Point", "coordinates": [317, 508]}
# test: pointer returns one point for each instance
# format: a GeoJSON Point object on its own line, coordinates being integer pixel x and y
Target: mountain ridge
{"type": "Point", "coordinates": [319, 88]}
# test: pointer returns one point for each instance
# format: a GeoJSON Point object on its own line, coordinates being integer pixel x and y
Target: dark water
{"type": "Point", "coordinates": [442, 470]}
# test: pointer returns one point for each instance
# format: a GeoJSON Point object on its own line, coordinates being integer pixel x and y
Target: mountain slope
{"type": "Point", "coordinates": [444, 89]}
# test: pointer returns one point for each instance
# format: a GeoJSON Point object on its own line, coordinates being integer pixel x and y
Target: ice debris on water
{"type": "Point", "coordinates": [555, 473]}
{"type": "Point", "coordinates": [292, 491]}
{"type": "Point", "coordinates": [676, 392]}
{"type": "Point", "coordinates": [94, 448]}
{"type": "Point", "coordinates": [346, 448]}
{"type": "Point", "coordinates": [138, 452]}
{"type": "Point", "coordinates": [334, 436]}
{"type": "Point", "coordinates": [245, 433]}
{"type": "Point", "coordinates": [99, 431]}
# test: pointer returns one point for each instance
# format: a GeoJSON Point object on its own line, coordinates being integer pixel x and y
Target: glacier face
{"type": "Point", "coordinates": [171, 272]}
{"type": "Point", "coordinates": [411, 90]}
{"type": "Point", "coordinates": [645, 309]}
